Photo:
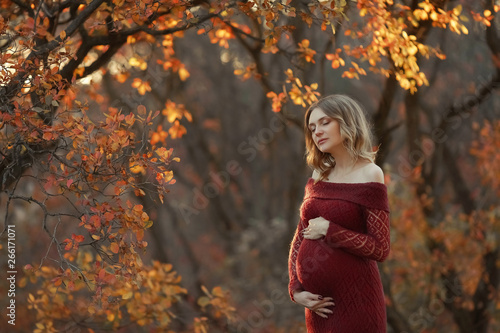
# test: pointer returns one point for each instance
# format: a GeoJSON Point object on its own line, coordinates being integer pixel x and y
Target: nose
{"type": "Point", "coordinates": [318, 132]}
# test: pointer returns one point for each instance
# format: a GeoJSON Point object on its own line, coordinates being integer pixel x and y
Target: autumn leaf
{"type": "Point", "coordinates": [176, 130]}
{"type": "Point", "coordinates": [141, 86]}
{"type": "Point", "coordinates": [306, 52]}
{"type": "Point", "coordinates": [159, 136]}
{"type": "Point", "coordinates": [175, 111]}
{"type": "Point", "coordinates": [277, 100]}
{"type": "Point", "coordinates": [78, 238]}
{"type": "Point", "coordinates": [203, 301]}
{"type": "Point", "coordinates": [114, 247]}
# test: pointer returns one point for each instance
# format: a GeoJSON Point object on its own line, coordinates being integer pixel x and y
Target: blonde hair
{"type": "Point", "coordinates": [354, 128]}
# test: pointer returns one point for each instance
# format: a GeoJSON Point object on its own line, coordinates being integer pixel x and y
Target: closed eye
{"type": "Point", "coordinates": [322, 122]}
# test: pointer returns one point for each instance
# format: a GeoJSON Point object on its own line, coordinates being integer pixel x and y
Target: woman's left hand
{"type": "Point", "coordinates": [317, 228]}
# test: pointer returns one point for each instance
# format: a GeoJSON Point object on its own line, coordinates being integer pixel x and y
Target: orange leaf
{"type": "Point", "coordinates": [78, 238]}
{"type": "Point", "coordinates": [114, 248]}
{"type": "Point", "coordinates": [177, 130]}
{"type": "Point", "coordinates": [47, 136]}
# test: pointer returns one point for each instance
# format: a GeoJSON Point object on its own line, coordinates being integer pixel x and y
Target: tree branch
{"type": "Point", "coordinates": [466, 108]}
{"type": "Point", "coordinates": [104, 58]}
{"type": "Point", "coordinates": [241, 32]}
{"type": "Point", "coordinates": [16, 84]}
{"type": "Point", "coordinates": [24, 6]}
{"type": "Point", "coordinates": [168, 31]}
{"type": "Point", "coordinates": [71, 29]}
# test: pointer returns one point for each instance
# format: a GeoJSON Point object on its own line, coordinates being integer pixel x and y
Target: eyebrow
{"type": "Point", "coordinates": [319, 120]}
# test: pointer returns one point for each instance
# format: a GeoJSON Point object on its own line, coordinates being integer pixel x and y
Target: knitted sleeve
{"type": "Point", "coordinates": [294, 283]}
{"type": "Point", "coordinates": [374, 245]}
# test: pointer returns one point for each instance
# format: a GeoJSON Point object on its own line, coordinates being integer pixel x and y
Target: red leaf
{"type": "Point", "coordinates": [78, 238]}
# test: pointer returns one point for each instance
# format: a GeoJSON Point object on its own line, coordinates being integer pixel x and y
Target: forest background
{"type": "Point", "coordinates": [152, 158]}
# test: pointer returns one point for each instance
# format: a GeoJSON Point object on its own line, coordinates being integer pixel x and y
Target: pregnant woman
{"type": "Point", "coordinates": [344, 224]}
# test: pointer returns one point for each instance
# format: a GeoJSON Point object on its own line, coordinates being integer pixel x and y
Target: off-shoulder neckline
{"type": "Point", "coordinates": [333, 183]}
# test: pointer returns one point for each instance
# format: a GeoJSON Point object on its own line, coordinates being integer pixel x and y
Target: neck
{"type": "Point", "coordinates": [343, 160]}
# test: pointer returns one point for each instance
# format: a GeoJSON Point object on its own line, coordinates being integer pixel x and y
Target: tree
{"type": "Point", "coordinates": [106, 164]}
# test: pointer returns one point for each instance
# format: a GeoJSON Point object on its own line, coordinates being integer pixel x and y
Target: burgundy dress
{"type": "Point", "coordinates": [342, 265]}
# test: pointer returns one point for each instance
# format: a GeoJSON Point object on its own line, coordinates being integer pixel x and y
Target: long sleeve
{"type": "Point", "coordinates": [294, 283]}
{"type": "Point", "coordinates": [374, 245]}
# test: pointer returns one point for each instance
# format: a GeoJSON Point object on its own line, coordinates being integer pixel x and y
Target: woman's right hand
{"type": "Point", "coordinates": [316, 303]}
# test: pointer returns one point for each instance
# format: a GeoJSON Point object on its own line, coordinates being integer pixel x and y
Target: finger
{"type": "Point", "coordinates": [323, 310]}
{"type": "Point", "coordinates": [318, 304]}
{"type": "Point", "coordinates": [322, 315]}
{"type": "Point", "coordinates": [322, 304]}
{"type": "Point", "coordinates": [317, 297]}
{"type": "Point", "coordinates": [323, 307]}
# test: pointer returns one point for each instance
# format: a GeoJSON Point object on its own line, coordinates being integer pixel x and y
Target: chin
{"type": "Point", "coordinates": [324, 148]}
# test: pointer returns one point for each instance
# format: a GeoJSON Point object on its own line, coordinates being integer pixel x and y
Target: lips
{"type": "Point", "coordinates": [321, 141]}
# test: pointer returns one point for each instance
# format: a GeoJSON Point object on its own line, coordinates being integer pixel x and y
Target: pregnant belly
{"type": "Point", "coordinates": [320, 265]}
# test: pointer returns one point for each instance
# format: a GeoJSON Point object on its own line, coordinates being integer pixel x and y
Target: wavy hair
{"type": "Point", "coordinates": [354, 129]}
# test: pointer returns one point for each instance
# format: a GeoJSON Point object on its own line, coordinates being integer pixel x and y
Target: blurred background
{"type": "Point", "coordinates": [230, 217]}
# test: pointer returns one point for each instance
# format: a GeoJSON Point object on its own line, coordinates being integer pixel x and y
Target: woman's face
{"type": "Point", "coordinates": [325, 131]}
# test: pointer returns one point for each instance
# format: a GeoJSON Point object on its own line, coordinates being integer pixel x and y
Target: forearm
{"type": "Point", "coordinates": [374, 245]}
{"type": "Point", "coordinates": [294, 283]}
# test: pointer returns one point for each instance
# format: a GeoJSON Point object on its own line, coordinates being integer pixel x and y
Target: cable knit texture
{"type": "Point", "coordinates": [342, 265]}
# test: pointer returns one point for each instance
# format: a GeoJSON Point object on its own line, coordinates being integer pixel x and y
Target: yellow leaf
{"type": "Point", "coordinates": [137, 169]}
{"type": "Point", "coordinates": [177, 130]}
{"type": "Point", "coordinates": [22, 282]}
{"type": "Point", "coordinates": [183, 73]}
{"type": "Point", "coordinates": [62, 35]}
{"type": "Point", "coordinates": [217, 291]}
{"type": "Point", "coordinates": [167, 175]}
{"type": "Point", "coordinates": [128, 294]}
{"type": "Point", "coordinates": [203, 301]}
{"type": "Point", "coordinates": [457, 10]}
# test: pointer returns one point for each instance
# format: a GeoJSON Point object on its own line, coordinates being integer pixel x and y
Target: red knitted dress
{"type": "Point", "coordinates": [342, 265]}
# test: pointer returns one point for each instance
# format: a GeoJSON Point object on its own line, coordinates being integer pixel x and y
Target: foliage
{"type": "Point", "coordinates": [89, 169]}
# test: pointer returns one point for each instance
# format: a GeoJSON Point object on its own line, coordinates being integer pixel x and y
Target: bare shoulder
{"type": "Point", "coordinates": [372, 173]}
